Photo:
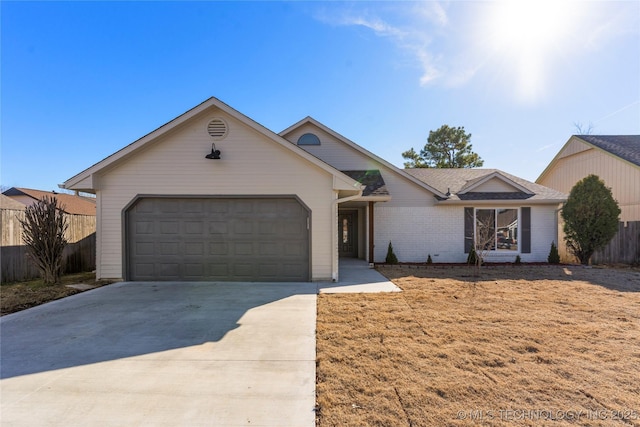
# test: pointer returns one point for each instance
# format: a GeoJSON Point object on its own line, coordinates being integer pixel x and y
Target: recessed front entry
{"type": "Point", "coordinates": [348, 233]}
{"type": "Point", "coordinates": [225, 239]}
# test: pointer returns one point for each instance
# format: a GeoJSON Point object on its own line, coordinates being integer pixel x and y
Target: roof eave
{"type": "Point", "coordinates": [362, 150]}
{"type": "Point", "coordinates": [92, 171]}
{"type": "Point", "coordinates": [499, 176]}
{"type": "Point", "coordinates": [501, 202]}
{"type": "Point", "coordinates": [375, 198]}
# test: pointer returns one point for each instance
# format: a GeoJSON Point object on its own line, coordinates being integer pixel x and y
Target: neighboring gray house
{"type": "Point", "coordinates": [213, 195]}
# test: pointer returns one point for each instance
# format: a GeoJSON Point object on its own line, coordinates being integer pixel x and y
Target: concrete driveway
{"type": "Point", "coordinates": [163, 354]}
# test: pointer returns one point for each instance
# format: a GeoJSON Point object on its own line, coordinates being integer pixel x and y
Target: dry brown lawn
{"type": "Point", "coordinates": [521, 345]}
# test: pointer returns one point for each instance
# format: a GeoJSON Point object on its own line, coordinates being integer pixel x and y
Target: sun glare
{"type": "Point", "coordinates": [527, 35]}
{"type": "Point", "coordinates": [529, 24]}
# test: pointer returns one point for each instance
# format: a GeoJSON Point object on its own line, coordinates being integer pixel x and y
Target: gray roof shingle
{"type": "Point", "coordinates": [375, 185]}
{"type": "Point", "coordinates": [626, 147]}
{"type": "Point", "coordinates": [455, 180]}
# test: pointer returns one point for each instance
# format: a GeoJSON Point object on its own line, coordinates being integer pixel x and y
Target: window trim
{"type": "Point", "coordinates": [495, 209]}
{"type": "Point", "coordinates": [314, 141]}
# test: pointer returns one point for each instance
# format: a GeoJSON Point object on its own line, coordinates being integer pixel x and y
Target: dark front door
{"type": "Point", "coordinates": [347, 234]}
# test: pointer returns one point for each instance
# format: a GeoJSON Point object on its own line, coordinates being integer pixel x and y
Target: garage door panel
{"type": "Point", "coordinates": [243, 271]}
{"type": "Point", "coordinates": [293, 248]}
{"type": "Point", "coordinates": [195, 270]}
{"type": "Point", "coordinates": [193, 227]}
{"type": "Point", "coordinates": [144, 227]}
{"type": "Point", "coordinates": [144, 270]}
{"type": "Point", "coordinates": [242, 227]}
{"type": "Point", "coordinates": [220, 270]}
{"type": "Point", "coordinates": [291, 270]}
{"type": "Point", "coordinates": [194, 248]}
{"type": "Point", "coordinates": [267, 248]}
{"type": "Point", "coordinates": [268, 270]}
{"type": "Point", "coordinates": [169, 270]}
{"type": "Point", "coordinates": [169, 227]}
{"type": "Point", "coordinates": [218, 248]}
{"type": "Point", "coordinates": [145, 248]}
{"type": "Point", "coordinates": [218, 227]}
{"type": "Point", "coordinates": [270, 228]}
{"type": "Point", "coordinates": [217, 239]}
{"type": "Point", "coordinates": [169, 248]}
{"type": "Point", "coordinates": [167, 206]}
{"type": "Point", "coordinates": [193, 206]}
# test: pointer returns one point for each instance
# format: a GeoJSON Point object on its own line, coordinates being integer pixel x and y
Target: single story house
{"type": "Point", "coordinates": [214, 195]}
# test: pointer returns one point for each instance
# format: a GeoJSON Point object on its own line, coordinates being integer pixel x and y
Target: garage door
{"type": "Point", "coordinates": [230, 239]}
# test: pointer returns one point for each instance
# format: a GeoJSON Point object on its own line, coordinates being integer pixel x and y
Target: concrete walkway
{"type": "Point", "coordinates": [355, 276]}
{"type": "Point", "coordinates": [170, 354]}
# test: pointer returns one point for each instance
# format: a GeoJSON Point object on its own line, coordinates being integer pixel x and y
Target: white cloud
{"type": "Point", "coordinates": [433, 11]}
{"type": "Point", "coordinates": [380, 27]}
{"type": "Point", "coordinates": [545, 147]}
{"type": "Point", "coordinates": [517, 46]}
{"type": "Point", "coordinates": [414, 36]}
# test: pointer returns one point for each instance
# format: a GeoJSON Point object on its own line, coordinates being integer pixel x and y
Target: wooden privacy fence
{"type": "Point", "coordinates": [79, 255]}
{"type": "Point", "coordinates": [624, 248]}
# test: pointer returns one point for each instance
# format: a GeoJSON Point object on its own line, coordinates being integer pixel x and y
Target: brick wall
{"type": "Point", "coordinates": [439, 231]}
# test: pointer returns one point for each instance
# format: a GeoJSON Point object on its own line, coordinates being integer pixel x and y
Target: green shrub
{"type": "Point", "coordinates": [429, 260]}
{"type": "Point", "coordinates": [391, 257]}
{"type": "Point", "coordinates": [590, 217]}
{"type": "Point", "coordinates": [518, 261]}
{"type": "Point", "coordinates": [554, 256]}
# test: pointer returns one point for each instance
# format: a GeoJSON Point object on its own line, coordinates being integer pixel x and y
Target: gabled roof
{"type": "Point", "coordinates": [375, 187]}
{"type": "Point", "coordinates": [624, 147]}
{"type": "Point", "coordinates": [460, 182]}
{"type": "Point", "coordinates": [8, 203]}
{"type": "Point", "coordinates": [627, 147]}
{"type": "Point", "coordinates": [72, 204]}
{"type": "Point", "coordinates": [362, 150]}
{"type": "Point", "coordinates": [476, 182]}
{"type": "Point", "coordinates": [341, 181]}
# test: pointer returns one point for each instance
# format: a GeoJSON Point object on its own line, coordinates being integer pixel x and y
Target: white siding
{"type": "Point", "coordinates": [251, 165]}
{"type": "Point", "coordinates": [342, 157]}
{"type": "Point", "coordinates": [494, 185]}
{"type": "Point", "coordinates": [543, 232]}
{"type": "Point", "coordinates": [439, 231]}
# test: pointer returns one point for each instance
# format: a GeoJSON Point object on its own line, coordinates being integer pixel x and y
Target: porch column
{"type": "Point", "coordinates": [371, 232]}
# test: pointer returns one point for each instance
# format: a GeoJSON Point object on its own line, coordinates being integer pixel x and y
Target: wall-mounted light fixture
{"type": "Point", "coordinates": [215, 154]}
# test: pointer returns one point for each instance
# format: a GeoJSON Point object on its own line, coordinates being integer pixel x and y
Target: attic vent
{"type": "Point", "coordinates": [217, 128]}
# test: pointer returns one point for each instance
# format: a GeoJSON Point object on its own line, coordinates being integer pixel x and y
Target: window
{"type": "Point", "coordinates": [496, 229]}
{"type": "Point", "coordinates": [308, 139]}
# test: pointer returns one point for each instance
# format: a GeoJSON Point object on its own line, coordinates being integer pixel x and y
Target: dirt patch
{"type": "Point", "coordinates": [22, 295]}
{"type": "Point", "coordinates": [533, 345]}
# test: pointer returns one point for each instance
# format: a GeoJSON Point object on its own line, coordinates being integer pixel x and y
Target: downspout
{"type": "Point", "coordinates": [334, 230]}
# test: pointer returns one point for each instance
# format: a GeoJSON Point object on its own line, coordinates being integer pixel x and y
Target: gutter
{"type": "Point", "coordinates": [495, 202]}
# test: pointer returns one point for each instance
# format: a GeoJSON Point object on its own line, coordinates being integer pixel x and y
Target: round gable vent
{"type": "Point", "coordinates": [217, 128]}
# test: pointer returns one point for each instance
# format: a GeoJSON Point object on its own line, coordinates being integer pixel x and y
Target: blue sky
{"type": "Point", "coordinates": [81, 80]}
